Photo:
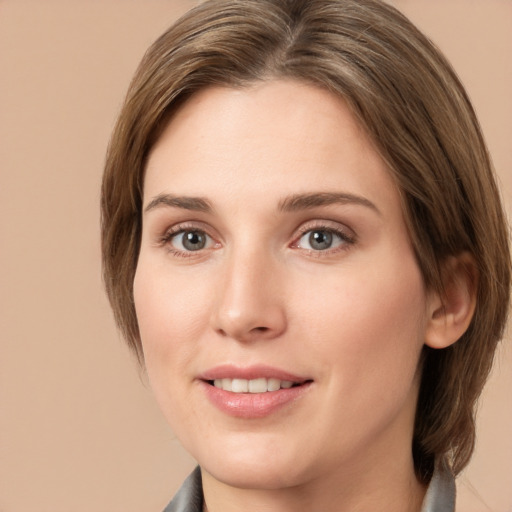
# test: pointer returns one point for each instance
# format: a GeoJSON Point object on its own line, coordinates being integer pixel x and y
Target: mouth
{"type": "Point", "coordinates": [253, 392]}
{"type": "Point", "coordinates": [258, 385]}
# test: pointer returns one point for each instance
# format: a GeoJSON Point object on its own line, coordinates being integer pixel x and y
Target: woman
{"type": "Point", "coordinates": [304, 245]}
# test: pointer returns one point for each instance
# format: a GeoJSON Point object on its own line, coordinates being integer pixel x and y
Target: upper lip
{"type": "Point", "coordinates": [231, 371]}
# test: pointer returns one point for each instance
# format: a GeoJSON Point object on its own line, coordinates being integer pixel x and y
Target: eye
{"type": "Point", "coordinates": [190, 240]}
{"type": "Point", "coordinates": [323, 239]}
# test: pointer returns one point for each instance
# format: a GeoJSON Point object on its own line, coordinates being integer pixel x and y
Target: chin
{"type": "Point", "coordinates": [255, 467]}
{"type": "Point", "coordinates": [264, 476]}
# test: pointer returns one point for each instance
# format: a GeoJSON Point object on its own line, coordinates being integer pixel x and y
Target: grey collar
{"type": "Point", "coordinates": [440, 495]}
{"type": "Point", "coordinates": [190, 496]}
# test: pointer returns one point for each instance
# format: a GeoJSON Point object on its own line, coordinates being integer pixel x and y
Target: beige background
{"type": "Point", "coordinates": [78, 427]}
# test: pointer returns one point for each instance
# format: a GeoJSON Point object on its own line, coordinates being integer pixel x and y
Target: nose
{"type": "Point", "coordinates": [250, 304]}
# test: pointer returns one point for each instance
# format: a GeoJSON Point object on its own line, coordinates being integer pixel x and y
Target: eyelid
{"type": "Point", "coordinates": [185, 226]}
{"type": "Point", "coordinates": [346, 234]}
{"type": "Point", "coordinates": [327, 225]}
{"type": "Point", "coordinates": [168, 235]}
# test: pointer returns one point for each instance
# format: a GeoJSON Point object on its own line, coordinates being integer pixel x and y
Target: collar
{"type": "Point", "coordinates": [440, 496]}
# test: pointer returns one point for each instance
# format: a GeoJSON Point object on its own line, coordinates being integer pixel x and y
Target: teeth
{"type": "Point", "coordinates": [240, 386]}
{"type": "Point", "coordinates": [273, 384]}
{"type": "Point", "coordinates": [260, 385]}
{"type": "Point", "coordinates": [257, 386]}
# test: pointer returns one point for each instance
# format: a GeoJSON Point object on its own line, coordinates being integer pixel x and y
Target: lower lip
{"type": "Point", "coordinates": [253, 405]}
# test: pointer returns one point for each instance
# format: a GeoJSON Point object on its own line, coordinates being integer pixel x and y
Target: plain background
{"type": "Point", "coordinates": [79, 429]}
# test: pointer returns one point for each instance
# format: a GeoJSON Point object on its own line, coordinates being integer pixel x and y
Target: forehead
{"type": "Point", "coordinates": [270, 136]}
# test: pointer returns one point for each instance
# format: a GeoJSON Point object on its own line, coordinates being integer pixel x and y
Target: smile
{"type": "Point", "coordinates": [258, 385]}
{"type": "Point", "coordinates": [253, 392]}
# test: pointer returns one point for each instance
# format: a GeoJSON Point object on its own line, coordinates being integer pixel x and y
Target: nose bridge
{"type": "Point", "coordinates": [249, 304]}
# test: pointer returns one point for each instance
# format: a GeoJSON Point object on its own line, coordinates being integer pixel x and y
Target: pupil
{"type": "Point", "coordinates": [320, 240]}
{"type": "Point", "coordinates": [194, 241]}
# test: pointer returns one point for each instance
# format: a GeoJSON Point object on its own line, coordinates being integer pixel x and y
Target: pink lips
{"type": "Point", "coordinates": [228, 371]}
{"type": "Point", "coordinates": [252, 405]}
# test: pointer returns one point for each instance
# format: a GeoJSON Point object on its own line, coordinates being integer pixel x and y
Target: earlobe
{"type": "Point", "coordinates": [450, 314]}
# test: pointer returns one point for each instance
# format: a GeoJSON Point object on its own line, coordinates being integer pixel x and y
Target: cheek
{"type": "Point", "coordinates": [170, 312]}
{"type": "Point", "coordinates": [368, 337]}
{"type": "Point", "coordinates": [369, 324]}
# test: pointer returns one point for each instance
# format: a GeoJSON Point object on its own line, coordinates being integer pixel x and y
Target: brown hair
{"type": "Point", "coordinates": [411, 103]}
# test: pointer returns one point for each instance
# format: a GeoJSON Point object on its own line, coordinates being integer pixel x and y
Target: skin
{"type": "Point", "coordinates": [353, 318]}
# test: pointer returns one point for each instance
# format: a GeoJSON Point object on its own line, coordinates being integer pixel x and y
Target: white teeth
{"type": "Point", "coordinates": [227, 384]}
{"type": "Point", "coordinates": [240, 386]}
{"type": "Point", "coordinates": [273, 384]}
{"type": "Point", "coordinates": [260, 385]}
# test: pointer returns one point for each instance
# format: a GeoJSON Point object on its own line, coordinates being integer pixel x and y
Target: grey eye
{"type": "Point", "coordinates": [190, 240]}
{"type": "Point", "coordinates": [320, 240]}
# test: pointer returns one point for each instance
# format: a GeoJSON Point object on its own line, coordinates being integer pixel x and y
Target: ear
{"type": "Point", "coordinates": [450, 314]}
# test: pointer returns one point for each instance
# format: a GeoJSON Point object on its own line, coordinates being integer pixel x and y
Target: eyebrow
{"type": "Point", "coordinates": [291, 203]}
{"type": "Point", "coordinates": [298, 202]}
{"type": "Point", "coordinates": [198, 204]}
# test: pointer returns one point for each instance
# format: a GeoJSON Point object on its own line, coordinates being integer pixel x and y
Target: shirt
{"type": "Point", "coordinates": [440, 496]}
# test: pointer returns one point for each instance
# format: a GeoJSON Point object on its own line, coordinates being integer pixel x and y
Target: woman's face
{"type": "Point", "coordinates": [274, 253]}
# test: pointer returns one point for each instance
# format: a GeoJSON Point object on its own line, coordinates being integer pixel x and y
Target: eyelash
{"type": "Point", "coordinates": [168, 236]}
{"type": "Point", "coordinates": [347, 240]}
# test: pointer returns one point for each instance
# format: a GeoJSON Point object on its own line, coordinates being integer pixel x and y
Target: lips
{"type": "Point", "coordinates": [253, 392]}
{"type": "Point", "coordinates": [230, 371]}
